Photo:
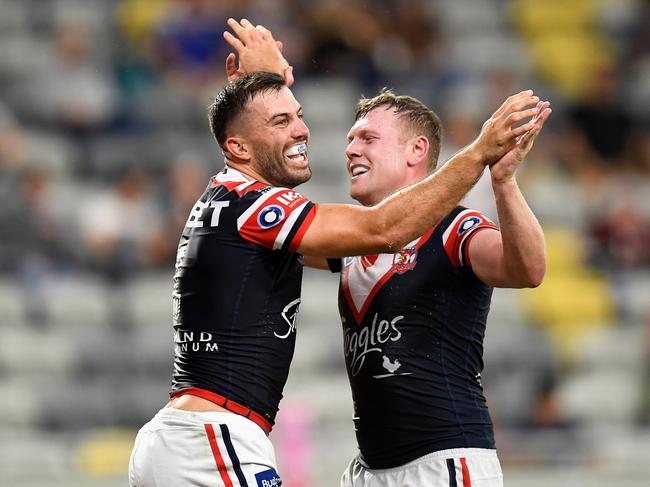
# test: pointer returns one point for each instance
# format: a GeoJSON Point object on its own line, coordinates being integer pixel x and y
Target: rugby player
{"type": "Point", "coordinates": [238, 276]}
{"type": "Point", "coordinates": [414, 320]}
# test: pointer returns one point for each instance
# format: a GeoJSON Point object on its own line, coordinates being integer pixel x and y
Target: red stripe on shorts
{"type": "Point", "coordinates": [467, 481]}
{"type": "Point", "coordinates": [223, 471]}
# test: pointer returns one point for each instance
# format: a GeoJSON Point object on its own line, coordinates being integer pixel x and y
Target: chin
{"type": "Point", "coordinates": [298, 177]}
{"type": "Point", "coordinates": [359, 196]}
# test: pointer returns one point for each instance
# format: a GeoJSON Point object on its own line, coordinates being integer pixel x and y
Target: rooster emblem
{"type": "Point", "coordinates": [390, 366]}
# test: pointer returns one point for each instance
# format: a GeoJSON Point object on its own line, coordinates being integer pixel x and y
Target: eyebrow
{"type": "Point", "coordinates": [284, 114]}
{"type": "Point", "coordinates": [362, 132]}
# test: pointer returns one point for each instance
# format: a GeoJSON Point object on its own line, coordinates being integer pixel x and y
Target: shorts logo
{"type": "Point", "coordinates": [268, 478]}
{"type": "Point", "coordinates": [270, 216]}
{"type": "Point", "coordinates": [405, 260]}
{"type": "Point", "coordinates": [467, 223]}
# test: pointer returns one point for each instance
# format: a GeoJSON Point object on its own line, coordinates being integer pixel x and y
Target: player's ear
{"type": "Point", "coordinates": [238, 148]}
{"type": "Point", "coordinates": [418, 148]}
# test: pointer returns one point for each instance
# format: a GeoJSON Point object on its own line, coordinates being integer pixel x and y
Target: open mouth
{"type": "Point", "coordinates": [297, 153]}
{"type": "Point", "coordinates": [358, 170]}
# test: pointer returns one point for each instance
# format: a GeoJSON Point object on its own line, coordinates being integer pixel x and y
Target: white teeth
{"type": "Point", "coordinates": [294, 150]}
{"type": "Point", "coordinates": [359, 170]}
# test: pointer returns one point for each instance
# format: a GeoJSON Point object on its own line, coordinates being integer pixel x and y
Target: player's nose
{"type": "Point", "coordinates": [352, 150]}
{"type": "Point", "coordinates": [300, 130]}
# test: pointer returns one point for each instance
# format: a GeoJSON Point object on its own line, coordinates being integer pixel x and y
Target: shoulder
{"type": "Point", "coordinates": [458, 228]}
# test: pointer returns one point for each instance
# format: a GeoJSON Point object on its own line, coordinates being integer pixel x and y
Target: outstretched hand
{"type": "Point", "coordinates": [500, 132]}
{"type": "Point", "coordinates": [256, 49]}
{"type": "Point", "coordinates": [504, 169]}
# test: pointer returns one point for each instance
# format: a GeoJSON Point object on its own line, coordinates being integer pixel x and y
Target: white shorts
{"type": "Point", "coordinates": [205, 449]}
{"type": "Point", "coordinates": [462, 467]}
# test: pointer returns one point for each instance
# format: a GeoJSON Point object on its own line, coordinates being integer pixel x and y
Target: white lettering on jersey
{"type": "Point", "coordinates": [289, 314]}
{"type": "Point", "coordinates": [194, 341]}
{"type": "Point", "coordinates": [288, 197]}
{"type": "Point", "coordinates": [358, 344]}
{"type": "Point", "coordinates": [218, 206]}
{"type": "Point", "coordinates": [194, 220]}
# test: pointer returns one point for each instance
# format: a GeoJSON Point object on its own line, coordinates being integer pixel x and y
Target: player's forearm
{"type": "Point", "coordinates": [315, 262]}
{"type": "Point", "coordinates": [412, 211]}
{"type": "Point", "coordinates": [524, 250]}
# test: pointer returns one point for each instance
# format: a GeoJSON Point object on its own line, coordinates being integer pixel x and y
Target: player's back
{"type": "Point", "coordinates": [237, 291]}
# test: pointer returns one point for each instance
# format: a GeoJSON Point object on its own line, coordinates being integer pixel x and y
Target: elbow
{"type": "Point", "coordinates": [390, 242]}
{"type": "Point", "coordinates": [535, 276]}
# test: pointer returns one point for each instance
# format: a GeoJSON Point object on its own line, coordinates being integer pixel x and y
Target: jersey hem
{"type": "Point", "coordinates": [230, 405]}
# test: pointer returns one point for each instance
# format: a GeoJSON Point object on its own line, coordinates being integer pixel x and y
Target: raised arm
{"type": "Point", "coordinates": [256, 49]}
{"type": "Point", "coordinates": [339, 230]}
{"type": "Point", "coordinates": [515, 256]}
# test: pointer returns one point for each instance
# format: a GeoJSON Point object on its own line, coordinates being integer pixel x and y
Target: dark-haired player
{"type": "Point", "coordinates": [238, 277]}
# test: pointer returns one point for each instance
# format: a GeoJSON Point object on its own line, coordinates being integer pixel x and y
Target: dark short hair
{"type": "Point", "coordinates": [417, 117]}
{"type": "Point", "coordinates": [233, 98]}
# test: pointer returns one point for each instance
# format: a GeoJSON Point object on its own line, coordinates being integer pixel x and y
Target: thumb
{"type": "Point", "coordinates": [288, 76]}
{"type": "Point", "coordinates": [231, 68]}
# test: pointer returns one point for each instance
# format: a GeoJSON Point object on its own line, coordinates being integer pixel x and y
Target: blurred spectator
{"type": "Point", "coordinates": [41, 246]}
{"type": "Point", "coordinates": [189, 44]}
{"type": "Point", "coordinates": [186, 180]}
{"type": "Point", "coordinates": [32, 244]}
{"type": "Point", "coordinates": [120, 233]}
{"type": "Point", "coordinates": [11, 143]}
{"type": "Point", "coordinates": [406, 47]}
{"type": "Point", "coordinates": [74, 93]}
{"type": "Point", "coordinates": [11, 158]}
{"type": "Point", "coordinates": [644, 409]}
{"type": "Point", "coordinates": [620, 239]}
{"type": "Point", "coordinates": [600, 129]}
{"type": "Point", "coordinates": [342, 35]}
{"type": "Point", "coordinates": [137, 19]}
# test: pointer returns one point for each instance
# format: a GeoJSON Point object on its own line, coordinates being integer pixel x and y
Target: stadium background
{"type": "Point", "coordinates": [104, 146]}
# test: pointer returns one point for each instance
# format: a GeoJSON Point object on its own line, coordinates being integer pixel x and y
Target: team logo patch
{"type": "Point", "coordinates": [268, 478]}
{"type": "Point", "coordinates": [270, 216]}
{"type": "Point", "coordinates": [405, 260]}
{"type": "Point", "coordinates": [467, 223]}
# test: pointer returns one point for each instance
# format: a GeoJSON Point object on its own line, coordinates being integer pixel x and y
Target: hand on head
{"type": "Point", "coordinates": [256, 49]}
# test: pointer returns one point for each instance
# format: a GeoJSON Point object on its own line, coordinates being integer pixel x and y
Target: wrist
{"type": "Point", "coordinates": [505, 184]}
{"type": "Point", "coordinates": [474, 153]}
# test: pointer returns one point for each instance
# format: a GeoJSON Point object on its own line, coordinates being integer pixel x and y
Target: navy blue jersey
{"type": "Point", "coordinates": [413, 326]}
{"type": "Point", "coordinates": [237, 291]}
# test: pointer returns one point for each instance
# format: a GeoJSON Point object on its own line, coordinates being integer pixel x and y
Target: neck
{"type": "Point", "coordinates": [246, 170]}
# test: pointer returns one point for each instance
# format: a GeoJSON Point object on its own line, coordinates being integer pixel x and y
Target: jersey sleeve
{"type": "Point", "coordinates": [460, 231]}
{"type": "Point", "coordinates": [277, 219]}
